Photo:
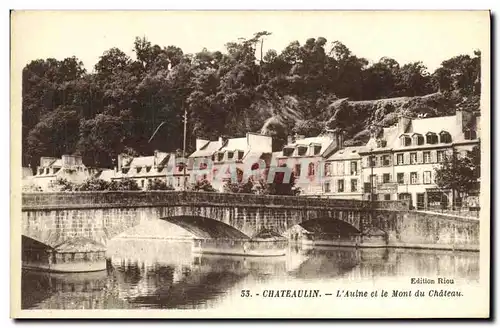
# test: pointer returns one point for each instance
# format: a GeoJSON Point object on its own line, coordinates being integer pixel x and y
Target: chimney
{"type": "Point", "coordinates": [200, 143]}
{"type": "Point", "coordinates": [222, 140]}
{"type": "Point", "coordinates": [403, 123]}
{"type": "Point", "coordinates": [337, 135]}
{"type": "Point", "coordinates": [121, 160]}
{"type": "Point", "coordinates": [464, 119]}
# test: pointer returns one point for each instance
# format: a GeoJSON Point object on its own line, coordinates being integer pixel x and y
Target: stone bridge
{"type": "Point", "coordinates": [57, 218]}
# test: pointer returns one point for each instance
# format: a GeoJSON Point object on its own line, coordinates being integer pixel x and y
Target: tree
{"type": "Point", "coordinates": [65, 185]}
{"type": "Point", "coordinates": [94, 184]}
{"type": "Point", "coordinates": [239, 187]}
{"type": "Point", "coordinates": [202, 185]}
{"type": "Point", "coordinates": [158, 184]}
{"type": "Point", "coordinates": [126, 184]}
{"type": "Point", "coordinates": [279, 186]}
{"type": "Point", "coordinates": [459, 173]}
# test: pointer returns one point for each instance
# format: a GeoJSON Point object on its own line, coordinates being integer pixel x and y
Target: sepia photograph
{"type": "Point", "coordinates": [250, 164]}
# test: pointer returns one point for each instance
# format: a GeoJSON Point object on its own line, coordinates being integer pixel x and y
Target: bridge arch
{"type": "Point", "coordinates": [206, 227]}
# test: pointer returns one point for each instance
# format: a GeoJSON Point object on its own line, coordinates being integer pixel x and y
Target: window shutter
{"type": "Point", "coordinates": [381, 178]}
{"type": "Point", "coordinates": [418, 178]}
{"type": "Point", "coordinates": [406, 178]}
{"type": "Point", "coordinates": [406, 158]}
{"type": "Point", "coordinates": [390, 177]}
{"type": "Point", "coordinates": [433, 156]}
{"type": "Point", "coordinates": [420, 157]}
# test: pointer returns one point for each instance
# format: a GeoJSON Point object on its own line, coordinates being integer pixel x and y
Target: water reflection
{"type": "Point", "coordinates": [162, 274]}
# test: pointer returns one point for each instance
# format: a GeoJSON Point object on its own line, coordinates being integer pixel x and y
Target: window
{"type": "Point", "coordinates": [311, 169]}
{"type": "Point", "coordinates": [340, 185]}
{"type": "Point", "coordinates": [386, 178]}
{"type": "Point", "coordinates": [413, 158]}
{"type": "Point", "coordinates": [230, 155]}
{"type": "Point", "coordinates": [240, 154]}
{"type": "Point", "coordinates": [47, 170]}
{"type": "Point", "coordinates": [287, 151]}
{"type": "Point", "coordinates": [444, 137]}
{"type": "Point", "coordinates": [354, 168]}
{"type": "Point", "coordinates": [220, 156]}
{"type": "Point", "coordinates": [427, 156]}
{"type": "Point", "coordinates": [317, 149]}
{"type": "Point", "coordinates": [373, 161]}
{"type": "Point", "coordinates": [327, 169]}
{"type": "Point", "coordinates": [405, 140]}
{"type": "Point", "coordinates": [470, 134]}
{"type": "Point", "coordinates": [401, 178]}
{"type": "Point", "coordinates": [56, 169]}
{"type": "Point", "coordinates": [418, 139]}
{"type": "Point", "coordinates": [297, 170]}
{"type": "Point", "coordinates": [327, 186]}
{"type": "Point", "coordinates": [302, 151]}
{"type": "Point", "coordinates": [440, 156]}
{"type": "Point", "coordinates": [432, 138]}
{"type": "Point", "coordinates": [400, 159]}
{"type": "Point", "coordinates": [413, 177]}
{"type": "Point", "coordinates": [142, 183]}
{"type": "Point", "coordinates": [427, 177]}
{"type": "Point", "coordinates": [386, 160]}
{"type": "Point", "coordinates": [354, 185]}
{"type": "Point", "coordinates": [387, 196]}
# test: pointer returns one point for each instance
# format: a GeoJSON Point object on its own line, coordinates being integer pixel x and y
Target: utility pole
{"type": "Point", "coordinates": [184, 148]}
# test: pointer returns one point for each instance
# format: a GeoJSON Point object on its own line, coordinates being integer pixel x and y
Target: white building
{"type": "Point", "coordinates": [401, 160]}
{"type": "Point", "coordinates": [68, 167]}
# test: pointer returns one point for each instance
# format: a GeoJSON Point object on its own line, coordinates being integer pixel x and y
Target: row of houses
{"type": "Point", "coordinates": [397, 162]}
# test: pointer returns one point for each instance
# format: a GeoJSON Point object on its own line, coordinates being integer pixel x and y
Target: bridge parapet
{"type": "Point", "coordinates": [106, 199]}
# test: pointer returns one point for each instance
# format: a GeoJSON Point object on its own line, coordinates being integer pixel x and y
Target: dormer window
{"type": "Point", "coordinates": [40, 171]}
{"type": "Point", "coordinates": [418, 139]}
{"type": "Point", "coordinates": [431, 138]}
{"type": "Point", "coordinates": [287, 151]}
{"type": "Point", "coordinates": [230, 155]}
{"type": "Point", "coordinates": [220, 156]}
{"type": "Point", "coordinates": [240, 154]}
{"type": "Point", "coordinates": [47, 170]}
{"type": "Point", "coordinates": [405, 140]}
{"type": "Point", "coordinates": [55, 170]}
{"type": "Point", "coordinates": [301, 151]}
{"type": "Point", "coordinates": [445, 137]}
{"type": "Point", "coordinates": [125, 170]}
{"type": "Point", "coordinates": [316, 150]}
{"type": "Point", "coordinates": [138, 169]}
{"type": "Point", "coordinates": [470, 134]}
{"type": "Point", "coordinates": [148, 168]}
{"type": "Point", "coordinates": [381, 143]}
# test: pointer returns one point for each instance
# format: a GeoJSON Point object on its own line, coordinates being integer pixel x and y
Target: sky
{"type": "Point", "coordinates": [430, 37]}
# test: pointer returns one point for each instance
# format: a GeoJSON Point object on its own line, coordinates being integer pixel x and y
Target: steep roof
{"type": "Point", "coordinates": [436, 125]}
{"type": "Point", "coordinates": [235, 144]}
{"type": "Point", "coordinates": [323, 141]}
{"type": "Point", "coordinates": [347, 153]}
{"type": "Point", "coordinates": [142, 161]}
{"type": "Point", "coordinates": [207, 150]}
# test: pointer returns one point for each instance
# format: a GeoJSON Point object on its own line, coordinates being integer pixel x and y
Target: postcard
{"type": "Point", "coordinates": [250, 164]}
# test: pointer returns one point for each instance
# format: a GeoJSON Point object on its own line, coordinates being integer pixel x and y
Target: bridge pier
{"type": "Point", "coordinates": [78, 255]}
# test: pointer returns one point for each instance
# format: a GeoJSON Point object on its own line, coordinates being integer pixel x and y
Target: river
{"type": "Point", "coordinates": [163, 274]}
